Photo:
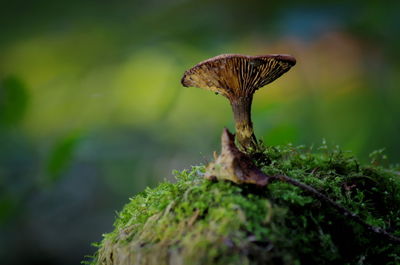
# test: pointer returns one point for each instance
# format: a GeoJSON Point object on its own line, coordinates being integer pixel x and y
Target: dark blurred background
{"type": "Point", "coordinates": [92, 110]}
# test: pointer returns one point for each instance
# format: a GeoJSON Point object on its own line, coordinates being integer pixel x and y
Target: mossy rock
{"type": "Point", "coordinates": [196, 221]}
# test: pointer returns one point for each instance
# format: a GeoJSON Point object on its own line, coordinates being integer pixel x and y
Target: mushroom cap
{"type": "Point", "coordinates": [236, 75]}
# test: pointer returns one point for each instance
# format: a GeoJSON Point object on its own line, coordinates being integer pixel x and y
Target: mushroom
{"type": "Point", "coordinates": [237, 77]}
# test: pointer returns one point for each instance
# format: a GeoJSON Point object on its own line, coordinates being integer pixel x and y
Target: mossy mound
{"type": "Point", "coordinates": [196, 221]}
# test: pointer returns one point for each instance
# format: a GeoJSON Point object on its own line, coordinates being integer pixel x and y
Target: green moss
{"type": "Point", "coordinates": [195, 221]}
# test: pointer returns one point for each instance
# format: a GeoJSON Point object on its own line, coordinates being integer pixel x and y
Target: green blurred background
{"type": "Point", "coordinates": [92, 110]}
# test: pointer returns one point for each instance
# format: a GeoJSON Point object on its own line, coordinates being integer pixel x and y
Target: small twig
{"type": "Point", "coordinates": [339, 208]}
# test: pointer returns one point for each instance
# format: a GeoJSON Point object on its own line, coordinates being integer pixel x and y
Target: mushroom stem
{"type": "Point", "coordinates": [244, 127]}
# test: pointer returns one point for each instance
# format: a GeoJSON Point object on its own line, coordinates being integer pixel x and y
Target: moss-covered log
{"type": "Point", "coordinates": [197, 221]}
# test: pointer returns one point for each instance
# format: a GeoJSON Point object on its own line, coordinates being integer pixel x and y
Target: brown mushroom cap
{"type": "Point", "coordinates": [235, 75]}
